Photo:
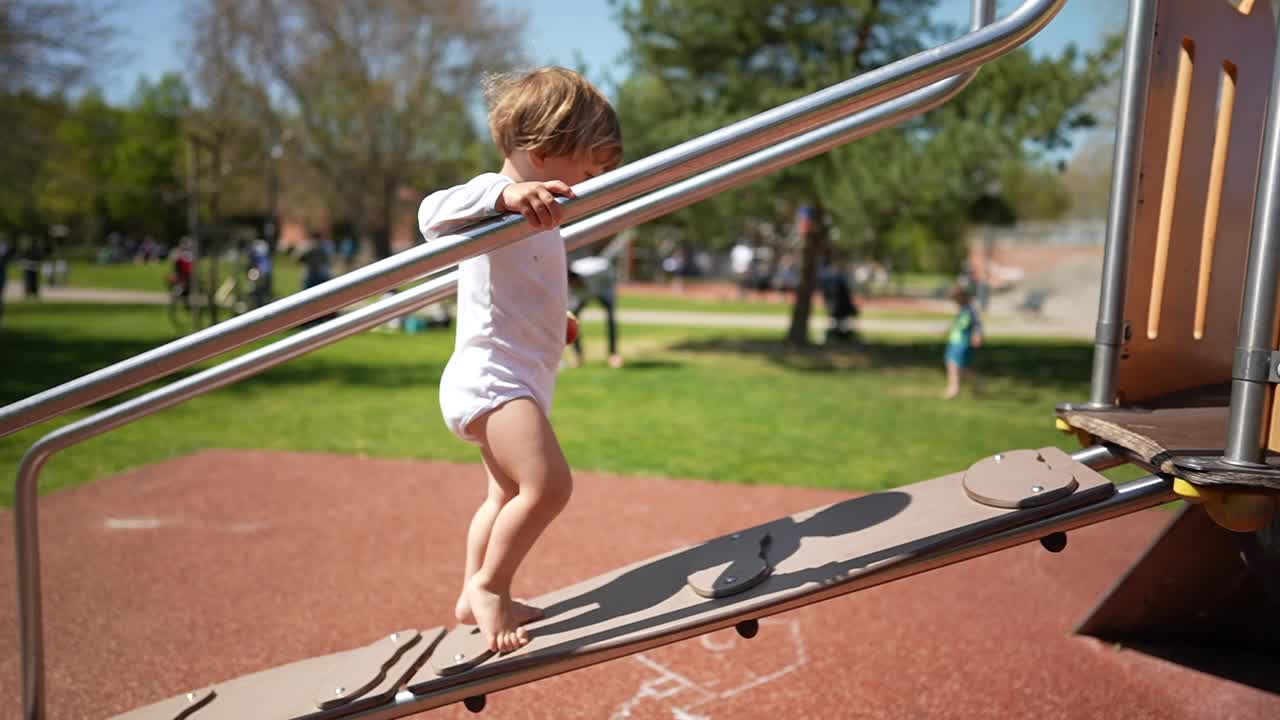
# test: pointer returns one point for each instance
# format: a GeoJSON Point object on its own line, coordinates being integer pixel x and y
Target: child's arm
{"type": "Point", "coordinates": [486, 196]}
{"type": "Point", "coordinates": [536, 201]}
{"type": "Point", "coordinates": [444, 211]}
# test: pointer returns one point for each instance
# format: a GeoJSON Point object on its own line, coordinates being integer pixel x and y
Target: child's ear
{"type": "Point", "coordinates": [537, 157]}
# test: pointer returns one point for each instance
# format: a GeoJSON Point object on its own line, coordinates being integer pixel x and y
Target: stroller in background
{"type": "Point", "coordinates": [837, 295]}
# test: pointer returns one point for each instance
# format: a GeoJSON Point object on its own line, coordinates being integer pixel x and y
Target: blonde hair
{"type": "Point", "coordinates": [554, 111]}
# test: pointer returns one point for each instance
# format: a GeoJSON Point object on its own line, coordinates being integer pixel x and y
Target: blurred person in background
{"type": "Point", "coordinates": [593, 278]}
{"type": "Point", "coordinates": [259, 271]}
{"type": "Point", "coordinates": [317, 260]}
{"type": "Point", "coordinates": [31, 263]}
{"type": "Point", "coordinates": [963, 337]}
{"type": "Point", "coordinates": [7, 252]}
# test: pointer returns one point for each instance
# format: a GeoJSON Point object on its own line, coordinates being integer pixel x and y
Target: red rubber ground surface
{"type": "Point", "coordinates": [181, 574]}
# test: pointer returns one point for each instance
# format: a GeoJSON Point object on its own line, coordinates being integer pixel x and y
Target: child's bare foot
{"type": "Point", "coordinates": [495, 617]}
{"type": "Point", "coordinates": [522, 612]}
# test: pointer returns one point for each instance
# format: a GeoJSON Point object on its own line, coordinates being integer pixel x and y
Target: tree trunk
{"type": "Point", "coordinates": [382, 228]}
{"type": "Point", "coordinates": [811, 254]}
{"type": "Point", "coordinates": [214, 232]}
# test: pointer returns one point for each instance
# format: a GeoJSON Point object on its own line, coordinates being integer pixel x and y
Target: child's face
{"type": "Point", "coordinates": [572, 169]}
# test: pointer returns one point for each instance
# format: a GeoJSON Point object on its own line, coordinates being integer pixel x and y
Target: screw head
{"type": "Point", "coordinates": [1036, 488]}
{"type": "Point", "coordinates": [999, 457]}
{"type": "Point", "coordinates": [339, 691]}
{"type": "Point", "coordinates": [395, 637]}
{"type": "Point", "coordinates": [736, 536]}
{"type": "Point", "coordinates": [730, 580]}
{"type": "Point", "coordinates": [191, 697]}
{"type": "Point", "coordinates": [460, 657]}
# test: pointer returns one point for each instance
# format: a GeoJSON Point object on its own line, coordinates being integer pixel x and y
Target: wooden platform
{"type": "Point", "coordinates": [813, 555]}
{"type": "Point", "coordinates": [1183, 425]}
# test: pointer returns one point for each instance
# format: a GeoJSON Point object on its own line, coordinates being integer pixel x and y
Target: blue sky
{"type": "Point", "coordinates": [559, 31]}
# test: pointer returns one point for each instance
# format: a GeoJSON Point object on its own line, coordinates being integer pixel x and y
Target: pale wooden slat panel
{"type": "Point", "coordinates": [1175, 360]}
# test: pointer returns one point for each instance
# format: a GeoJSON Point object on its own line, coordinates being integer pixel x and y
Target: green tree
{"type": "Point", "coordinates": [31, 120]}
{"type": "Point", "coordinates": [375, 94]}
{"type": "Point", "coordinates": [700, 64]}
{"type": "Point", "coordinates": [51, 45]}
{"type": "Point", "coordinates": [938, 170]}
{"type": "Point", "coordinates": [47, 47]}
{"type": "Point", "coordinates": [74, 181]}
{"type": "Point", "coordinates": [145, 194]}
{"type": "Point", "coordinates": [1034, 192]}
{"type": "Point", "coordinates": [714, 63]}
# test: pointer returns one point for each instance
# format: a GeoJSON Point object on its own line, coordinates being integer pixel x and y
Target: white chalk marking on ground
{"type": "Point", "coordinates": [242, 527]}
{"type": "Point", "coordinates": [138, 523]}
{"type": "Point", "coordinates": [246, 527]}
{"type": "Point", "coordinates": [708, 641]}
{"type": "Point", "coordinates": [667, 684]}
{"type": "Point", "coordinates": [801, 658]}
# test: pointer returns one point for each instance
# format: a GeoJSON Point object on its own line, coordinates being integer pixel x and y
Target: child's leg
{"type": "Point", "coordinates": [577, 342]}
{"type": "Point", "coordinates": [615, 360]}
{"type": "Point", "coordinates": [500, 490]}
{"type": "Point", "coordinates": [953, 380]}
{"type": "Point", "coordinates": [519, 444]}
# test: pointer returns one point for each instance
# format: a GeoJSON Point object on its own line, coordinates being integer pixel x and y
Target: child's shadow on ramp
{"type": "Point", "coordinates": [650, 584]}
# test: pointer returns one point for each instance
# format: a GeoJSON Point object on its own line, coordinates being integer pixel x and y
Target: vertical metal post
{"type": "Point", "coordinates": [1247, 422]}
{"type": "Point", "coordinates": [30, 614]}
{"type": "Point", "coordinates": [1124, 195]}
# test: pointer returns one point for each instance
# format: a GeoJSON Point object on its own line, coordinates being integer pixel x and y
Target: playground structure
{"type": "Point", "coordinates": [1194, 159]}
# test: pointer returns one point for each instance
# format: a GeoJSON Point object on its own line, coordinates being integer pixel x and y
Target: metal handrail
{"type": "Point", "coordinates": [630, 181]}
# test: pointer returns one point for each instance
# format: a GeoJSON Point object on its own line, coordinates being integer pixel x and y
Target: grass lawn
{"type": "Point", "coordinates": [631, 301]}
{"type": "Point", "coordinates": [639, 301]}
{"type": "Point", "coordinates": [924, 281]}
{"type": "Point", "coordinates": [130, 276]}
{"type": "Point", "coordinates": [724, 405]}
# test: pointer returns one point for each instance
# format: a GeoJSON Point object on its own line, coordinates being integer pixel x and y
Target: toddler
{"type": "Point", "coordinates": [554, 130]}
{"type": "Point", "coordinates": [964, 335]}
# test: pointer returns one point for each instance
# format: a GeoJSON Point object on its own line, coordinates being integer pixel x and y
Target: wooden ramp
{"type": "Point", "coordinates": [780, 565]}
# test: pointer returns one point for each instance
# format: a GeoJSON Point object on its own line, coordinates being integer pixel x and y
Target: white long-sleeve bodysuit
{"type": "Point", "coordinates": [511, 310]}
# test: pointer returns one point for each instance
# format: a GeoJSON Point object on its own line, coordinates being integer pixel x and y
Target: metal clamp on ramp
{"type": "Point", "coordinates": [1023, 478]}
{"type": "Point", "coordinates": [746, 565]}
